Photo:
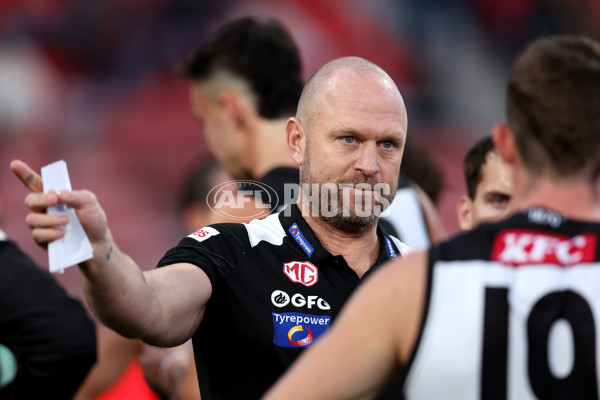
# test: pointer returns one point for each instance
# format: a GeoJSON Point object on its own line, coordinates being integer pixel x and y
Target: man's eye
{"type": "Point", "coordinates": [500, 200]}
{"type": "Point", "coordinates": [387, 145]}
{"type": "Point", "coordinates": [349, 139]}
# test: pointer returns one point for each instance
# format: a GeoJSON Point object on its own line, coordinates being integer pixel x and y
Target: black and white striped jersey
{"type": "Point", "coordinates": [406, 217]}
{"type": "Point", "coordinates": [275, 290]}
{"type": "Point", "coordinates": [512, 312]}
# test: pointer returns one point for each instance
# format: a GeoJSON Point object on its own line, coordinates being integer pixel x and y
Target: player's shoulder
{"type": "Point", "coordinates": [218, 233]}
{"type": "Point", "coordinates": [474, 244]}
{"type": "Point", "coordinates": [519, 229]}
{"type": "Point", "coordinates": [249, 233]}
{"type": "Point", "coordinates": [268, 229]}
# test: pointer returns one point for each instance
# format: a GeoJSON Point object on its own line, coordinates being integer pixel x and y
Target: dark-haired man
{"type": "Point", "coordinates": [507, 310]}
{"type": "Point", "coordinates": [489, 183]}
{"type": "Point", "coordinates": [245, 83]}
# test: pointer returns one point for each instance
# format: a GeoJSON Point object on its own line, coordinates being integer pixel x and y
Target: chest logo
{"type": "Point", "coordinates": [298, 330]}
{"type": "Point", "coordinates": [300, 239]}
{"type": "Point", "coordinates": [301, 272]}
{"type": "Point", "coordinates": [280, 299]}
{"type": "Point", "coordinates": [306, 340]}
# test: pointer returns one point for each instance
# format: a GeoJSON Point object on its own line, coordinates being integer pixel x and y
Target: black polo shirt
{"type": "Point", "coordinates": [275, 290]}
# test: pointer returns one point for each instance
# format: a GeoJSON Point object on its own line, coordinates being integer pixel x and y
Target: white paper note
{"type": "Point", "coordinates": [75, 246]}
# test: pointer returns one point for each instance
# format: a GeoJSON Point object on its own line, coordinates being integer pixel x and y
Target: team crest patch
{"type": "Point", "coordinates": [302, 272]}
{"type": "Point", "coordinates": [203, 234]}
{"type": "Point", "coordinates": [298, 330]}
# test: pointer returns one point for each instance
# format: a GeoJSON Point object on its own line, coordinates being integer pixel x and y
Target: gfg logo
{"type": "Point", "coordinates": [226, 197]}
{"type": "Point", "coordinates": [280, 299]}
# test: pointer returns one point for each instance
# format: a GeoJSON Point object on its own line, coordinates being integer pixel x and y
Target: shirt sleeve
{"type": "Point", "coordinates": [216, 249]}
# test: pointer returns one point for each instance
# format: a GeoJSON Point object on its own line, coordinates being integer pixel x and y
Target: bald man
{"type": "Point", "coordinates": [253, 296]}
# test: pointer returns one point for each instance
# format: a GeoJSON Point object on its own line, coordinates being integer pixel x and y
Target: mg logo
{"type": "Point", "coordinates": [301, 272]}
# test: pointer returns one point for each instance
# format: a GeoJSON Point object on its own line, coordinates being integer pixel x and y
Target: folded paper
{"type": "Point", "coordinates": [75, 246]}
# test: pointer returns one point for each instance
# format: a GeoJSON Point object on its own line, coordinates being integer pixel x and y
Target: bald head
{"type": "Point", "coordinates": [350, 129]}
{"type": "Point", "coordinates": [341, 75]}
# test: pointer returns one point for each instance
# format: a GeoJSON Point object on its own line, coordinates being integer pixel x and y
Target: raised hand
{"type": "Point", "coordinates": [161, 305]}
{"type": "Point", "coordinates": [45, 227]}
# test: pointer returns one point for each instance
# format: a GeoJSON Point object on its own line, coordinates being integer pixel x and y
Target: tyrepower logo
{"type": "Point", "coordinates": [298, 330]}
{"type": "Point", "coordinates": [304, 341]}
{"type": "Point", "coordinates": [519, 247]}
{"type": "Point", "coordinates": [301, 272]}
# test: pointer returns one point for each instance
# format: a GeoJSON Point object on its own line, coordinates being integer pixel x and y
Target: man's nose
{"type": "Point", "coordinates": [368, 159]}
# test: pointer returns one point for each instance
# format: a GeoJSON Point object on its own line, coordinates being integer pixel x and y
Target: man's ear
{"type": "Point", "coordinates": [464, 212]}
{"type": "Point", "coordinates": [504, 140]}
{"type": "Point", "coordinates": [296, 140]}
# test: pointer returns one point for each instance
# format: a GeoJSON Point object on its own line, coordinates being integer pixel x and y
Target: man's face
{"type": "Point", "coordinates": [224, 142]}
{"type": "Point", "coordinates": [492, 200]}
{"type": "Point", "coordinates": [356, 137]}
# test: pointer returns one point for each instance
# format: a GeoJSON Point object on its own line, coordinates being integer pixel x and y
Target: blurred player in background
{"type": "Point", "coordinates": [489, 181]}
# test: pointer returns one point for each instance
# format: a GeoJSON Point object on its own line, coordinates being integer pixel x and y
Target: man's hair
{"type": "Point", "coordinates": [553, 107]}
{"type": "Point", "coordinates": [260, 52]}
{"type": "Point", "coordinates": [473, 164]}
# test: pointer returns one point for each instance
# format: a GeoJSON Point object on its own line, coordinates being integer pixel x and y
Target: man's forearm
{"type": "Point", "coordinates": [118, 293]}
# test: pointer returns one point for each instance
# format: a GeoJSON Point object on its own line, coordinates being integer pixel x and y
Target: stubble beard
{"type": "Point", "coordinates": [345, 218]}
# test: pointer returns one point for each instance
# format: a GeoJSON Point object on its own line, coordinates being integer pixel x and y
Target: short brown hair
{"type": "Point", "coordinates": [553, 106]}
{"type": "Point", "coordinates": [473, 164]}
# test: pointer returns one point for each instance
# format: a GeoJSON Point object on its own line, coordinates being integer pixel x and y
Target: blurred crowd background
{"type": "Point", "coordinates": [93, 83]}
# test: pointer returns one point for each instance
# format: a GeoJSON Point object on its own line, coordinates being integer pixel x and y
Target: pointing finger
{"type": "Point", "coordinates": [28, 176]}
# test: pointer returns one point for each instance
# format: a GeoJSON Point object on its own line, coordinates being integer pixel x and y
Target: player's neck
{"type": "Point", "coordinates": [269, 149]}
{"type": "Point", "coordinates": [359, 249]}
{"type": "Point", "coordinates": [575, 199]}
